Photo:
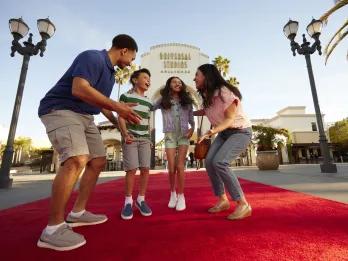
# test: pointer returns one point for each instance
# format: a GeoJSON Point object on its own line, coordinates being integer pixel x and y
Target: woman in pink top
{"type": "Point", "coordinates": [222, 105]}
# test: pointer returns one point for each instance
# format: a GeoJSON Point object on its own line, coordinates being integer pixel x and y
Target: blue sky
{"type": "Point", "coordinates": [249, 33]}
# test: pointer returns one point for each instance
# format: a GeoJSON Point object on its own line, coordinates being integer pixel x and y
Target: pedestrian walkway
{"type": "Point", "coordinates": [301, 178]}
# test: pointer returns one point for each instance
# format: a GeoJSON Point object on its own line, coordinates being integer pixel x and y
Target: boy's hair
{"type": "Point", "coordinates": [136, 74]}
{"type": "Point", "coordinates": [124, 41]}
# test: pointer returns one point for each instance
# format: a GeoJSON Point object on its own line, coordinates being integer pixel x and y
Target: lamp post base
{"type": "Point", "coordinates": [328, 168]}
{"type": "Point", "coordinates": [5, 183]}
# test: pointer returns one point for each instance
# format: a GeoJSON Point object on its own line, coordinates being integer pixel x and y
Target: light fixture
{"type": "Point", "coordinates": [290, 29]}
{"type": "Point", "coordinates": [46, 28]}
{"type": "Point", "coordinates": [18, 27]}
{"type": "Point", "coordinates": [314, 28]}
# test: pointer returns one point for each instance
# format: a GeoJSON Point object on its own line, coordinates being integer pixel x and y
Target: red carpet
{"type": "Point", "coordinates": [285, 225]}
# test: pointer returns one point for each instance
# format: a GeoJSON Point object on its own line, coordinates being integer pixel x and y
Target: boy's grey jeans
{"type": "Point", "coordinates": [227, 146]}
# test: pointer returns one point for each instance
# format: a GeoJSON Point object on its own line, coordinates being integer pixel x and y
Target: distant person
{"type": "Point", "coordinates": [222, 105]}
{"type": "Point", "coordinates": [192, 158]}
{"type": "Point", "coordinates": [67, 112]}
{"type": "Point", "coordinates": [136, 144]}
{"type": "Point", "coordinates": [177, 112]}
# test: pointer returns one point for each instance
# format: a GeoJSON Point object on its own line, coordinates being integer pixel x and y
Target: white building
{"type": "Point", "coordinates": [303, 131]}
{"type": "Point", "coordinates": [163, 61]}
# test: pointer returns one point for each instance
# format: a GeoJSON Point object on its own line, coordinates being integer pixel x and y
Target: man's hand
{"type": "Point", "coordinates": [125, 111]}
{"type": "Point", "coordinates": [189, 133]}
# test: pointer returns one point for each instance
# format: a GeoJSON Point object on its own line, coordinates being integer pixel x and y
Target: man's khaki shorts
{"type": "Point", "coordinates": [73, 134]}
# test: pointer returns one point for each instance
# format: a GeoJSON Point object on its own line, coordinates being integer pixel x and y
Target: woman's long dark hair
{"type": "Point", "coordinates": [166, 92]}
{"type": "Point", "coordinates": [214, 81]}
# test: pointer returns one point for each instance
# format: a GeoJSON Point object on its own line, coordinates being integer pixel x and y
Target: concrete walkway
{"type": "Point", "coordinates": [301, 178]}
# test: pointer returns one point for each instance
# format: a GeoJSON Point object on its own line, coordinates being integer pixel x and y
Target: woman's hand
{"type": "Point", "coordinates": [206, 135]}
{"type": "Point", "coordinates": [189, 133]}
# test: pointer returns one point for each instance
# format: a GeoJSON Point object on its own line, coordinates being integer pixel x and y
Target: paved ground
{"type": "Point", "coordinates": [302, 178]}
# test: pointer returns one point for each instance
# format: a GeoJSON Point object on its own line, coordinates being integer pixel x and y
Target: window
{"type": "Point", "coordinates": [314, 126]}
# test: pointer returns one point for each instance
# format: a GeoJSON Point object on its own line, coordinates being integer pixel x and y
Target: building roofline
{"type": "Point", "coordinates": [291, 107]}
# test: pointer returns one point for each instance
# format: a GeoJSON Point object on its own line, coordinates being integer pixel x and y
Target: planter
{"type": "Point", "coordinates": [267, 160]}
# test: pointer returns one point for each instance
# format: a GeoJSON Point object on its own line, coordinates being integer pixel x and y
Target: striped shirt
{"type": "Point", "coordinates": [143, 108]}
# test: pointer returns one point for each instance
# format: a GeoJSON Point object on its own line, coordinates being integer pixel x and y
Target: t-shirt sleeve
{"type": "Point", "coordinates": [228, 97]}
{"type": "Point", "coordinates": [88, 66]}
{"type": "Point", "coordinates": [123, 98]}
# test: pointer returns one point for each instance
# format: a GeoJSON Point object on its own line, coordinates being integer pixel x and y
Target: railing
{"type": "Point", "coordinates": [113, 165]}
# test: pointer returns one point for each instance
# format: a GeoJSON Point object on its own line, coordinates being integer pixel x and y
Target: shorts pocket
{"type": "Point", "coordinates": [61, 139]}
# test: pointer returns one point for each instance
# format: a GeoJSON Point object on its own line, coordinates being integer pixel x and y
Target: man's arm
{"type": "Point", "coordinates": [84, 91]}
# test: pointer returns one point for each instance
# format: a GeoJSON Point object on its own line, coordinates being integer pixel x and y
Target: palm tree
{"type": "Point", "coordinates": [223, 65]}
{"type": "Point", "coordinates": [122, 76]}
{"type": "Point", "coordinates": [341, 33]}
{"type": "Point", "coordinates": [21, 144]}
{"type": "Point", "coordinates": [233, 81]}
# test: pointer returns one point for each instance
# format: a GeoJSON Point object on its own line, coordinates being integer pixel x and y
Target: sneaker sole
{"type": "Point", "coordinates": [43, 244]}
{"type": "Point", "coordinates": [171, 206]}
{"type": "Point", "coordinates": [144, 214]}
{"type": "Point", "coordinates": [126, 217]}
{"type": "Point", "coordinates": [80, 224]}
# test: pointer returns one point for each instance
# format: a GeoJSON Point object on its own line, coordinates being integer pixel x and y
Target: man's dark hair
{"type": "Point", "coordinates": [136, 74]}
{"type": "Point", "coordinates": [124, 41]}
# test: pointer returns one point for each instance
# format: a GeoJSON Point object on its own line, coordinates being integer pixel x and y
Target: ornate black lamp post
{"type": "Point", "coordinates": [19, 29]}
{"type": "Point", "coordinates": [313, 30]}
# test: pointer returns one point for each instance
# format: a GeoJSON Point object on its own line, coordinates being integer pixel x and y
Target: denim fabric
{"type": "Point", "coordinates": [227, 146]}
{"type": "Point", "coordinates": [186, 117]}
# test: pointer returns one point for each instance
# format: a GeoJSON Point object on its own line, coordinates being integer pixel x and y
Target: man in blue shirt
{"type": "Point", "coordinates": [67, 112]}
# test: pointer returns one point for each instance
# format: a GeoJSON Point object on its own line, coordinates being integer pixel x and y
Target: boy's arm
{"type": "Point", "coordinates": [124, 132]}
{"type": "Point", "coordinates": [111, 117]}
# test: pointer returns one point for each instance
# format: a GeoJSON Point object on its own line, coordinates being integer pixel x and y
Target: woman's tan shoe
{"type": "Point", "coordinates": [219, 207]}
{"type": "Point", "coordinates": [240, 213]}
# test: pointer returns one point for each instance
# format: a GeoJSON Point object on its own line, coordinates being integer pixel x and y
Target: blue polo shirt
{"type": "Point", "coordinates": [93, 66]}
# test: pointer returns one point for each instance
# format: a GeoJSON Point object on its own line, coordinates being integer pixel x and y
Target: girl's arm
{"type": "Point", "coordinates": [156, 105]}
{"type": "Point", "coordinates": [192, 123]}
{"type": "Point", "coordinates": [191, 119]}
{"type": "Point", "coordinates": [199, 113]}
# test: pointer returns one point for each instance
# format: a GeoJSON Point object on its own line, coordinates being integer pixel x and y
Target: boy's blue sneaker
{"type": "Point", "coordinates": [145, 210]}
{"type": "Point", "coordinates": [127, 212]}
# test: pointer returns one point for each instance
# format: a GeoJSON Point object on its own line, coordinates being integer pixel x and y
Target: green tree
{"type": "Point", "coordinates": [21, 145]}
{"type": "Point", "coordinates": [340, 34]}
{"type": "Point", "coordinates": [223, 65]}
{"type": "Point", "coordinates": [268, 138]}
{"type": "Point", "coordinates": [122, 76]}
{"type": "Point", "coordinates": [233, 81]}
{"type": "Point", "coordinates": [339, 134]}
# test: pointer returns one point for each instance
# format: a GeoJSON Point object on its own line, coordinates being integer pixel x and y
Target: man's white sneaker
{"type": "Point", "coordinates": [180, 204]}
